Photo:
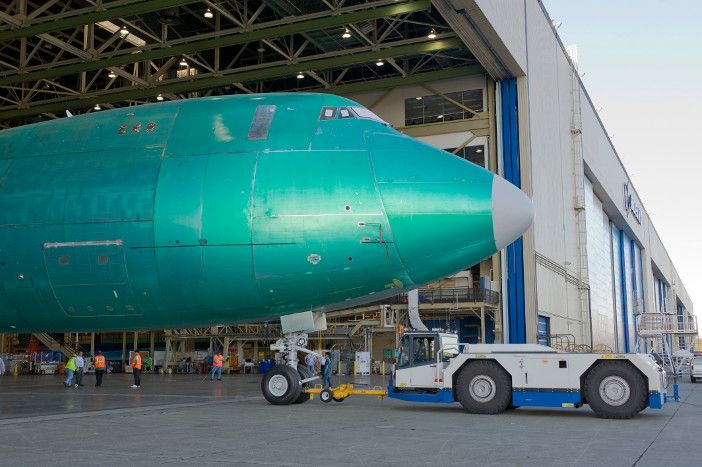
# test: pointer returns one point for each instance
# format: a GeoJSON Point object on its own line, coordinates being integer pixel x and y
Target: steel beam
{"type": "Point", "coordinates": [177, 86]}
{"type": "Point", "coordinates": [101, 14]}
{"type": "Point", "coordinates": [230, 40]}
{"type": "Point", "coordinates": [418, 78]}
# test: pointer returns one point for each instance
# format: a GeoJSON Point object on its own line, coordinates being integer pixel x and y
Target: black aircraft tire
{"type": "Point", "coordinates": [304, 373]}
{"type": "Point", "coordinates": [281, 385]}
{"type": "Point", "coordinates": [615, 390]}
{"type": "Point", "coordinates": [484, 387]}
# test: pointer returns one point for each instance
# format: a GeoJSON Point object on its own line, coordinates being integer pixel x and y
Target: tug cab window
{"type": "Point", "coordinates": [404, 358]}
{"type": "Point", "coordinates": [423, 350]}
{"type": "Point", "coordinates": [261, 122]}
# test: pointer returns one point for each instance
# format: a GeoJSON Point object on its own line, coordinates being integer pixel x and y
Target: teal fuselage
{"type": "Point", "coordinates": [225, 210]}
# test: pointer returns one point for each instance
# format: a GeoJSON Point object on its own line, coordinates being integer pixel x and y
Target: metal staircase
{"type": "Point", "coordinates": [55, 345]}
{"type": "Point", "coordinates": [662, 328]}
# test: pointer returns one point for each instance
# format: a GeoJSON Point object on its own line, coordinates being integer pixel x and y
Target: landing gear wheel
{"type": "Point", "coordinates": [326, 395]}
{"type": "Point", "coordinates": [304, 373]}
{"type": "Point", "coordinates": [281, 385]}
{"type": "Point", "coordinates": [615, 390]}
{"type": "Point", "coordinates": [484, 387]}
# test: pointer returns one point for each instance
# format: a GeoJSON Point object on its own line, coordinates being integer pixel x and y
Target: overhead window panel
{"type": "Point", "coordinates": [451, 106]}
{"type": "Point", "coordinates": [261, 122]}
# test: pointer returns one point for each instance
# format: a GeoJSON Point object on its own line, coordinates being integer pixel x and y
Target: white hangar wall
{"type": "Point", "coordinates": [525, 30]}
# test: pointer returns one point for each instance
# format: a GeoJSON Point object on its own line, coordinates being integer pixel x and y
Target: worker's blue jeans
{"type": "Point", "coordinates": [327, 381]}
{"type": "Point", "coordinates": [69, 379]}
{"type": "Point", "coordinates": [216, 370]}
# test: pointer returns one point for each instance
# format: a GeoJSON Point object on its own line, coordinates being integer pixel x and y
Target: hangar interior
{"type": "Point", "coordinates": [453, 74]}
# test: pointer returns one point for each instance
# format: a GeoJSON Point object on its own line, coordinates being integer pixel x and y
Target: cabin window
{"type": "Point", "coordinates": [345, 113]}
{"type": "Point", "coordinates": [328, 113]}
{"type": "Point", "coordinates": [362, 112]}
{"type": "Point", "coordinates": [261, 122]}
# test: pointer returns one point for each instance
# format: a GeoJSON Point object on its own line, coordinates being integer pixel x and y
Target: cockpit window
{"type": "Point", "coordinates": [261, 122]}
{"type": "Point", "coordinates": [362, 112]}
{"type": "Point", "coordinates": [345, 113]}
{"type": "Point", "coordinates": [328, 113]}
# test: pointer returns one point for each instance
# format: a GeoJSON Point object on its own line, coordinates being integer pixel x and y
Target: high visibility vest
{"type": "Point", "coordinates": [218, 359]}
{"type": "Point", "coordinates": [100, 362]}
{"type": "Point", "coordinates": [136, 363]}
{"type": "Point", "coordinates": [71, 365]}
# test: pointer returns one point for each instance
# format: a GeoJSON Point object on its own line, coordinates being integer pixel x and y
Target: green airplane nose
{"type": "Point", "coordinates": [445, 213]}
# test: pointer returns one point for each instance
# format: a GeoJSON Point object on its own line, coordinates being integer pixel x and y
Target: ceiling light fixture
{"type": "Point", "coordinates": [159, 97]}
{"type": "Point", "coordinates": [346, 34]}
{"type": "Point", "coordinates": [183, 62]}
{"type": "Point", "coordinates": [124, 31]}
{"type": "Point", "coordinates": [380, 62]}
{"type": "Point", "coordinates": [432, 34]}
{"type": "Point", "coordinates": [439, 116]}
{"type": "Point", "coordinates": [112, 74]}
{"type": "Point", "coordinates": [97, 107]}
{"type": "Point", "coordinates": [419, 98]}
{"type": "Point", "coordinates": [208, 14]}
{"type": "Point", "coordinates": [300, 75]}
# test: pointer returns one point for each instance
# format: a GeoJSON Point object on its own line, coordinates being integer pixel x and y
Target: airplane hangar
{"type": "Point", "coordinates": [488, 81]}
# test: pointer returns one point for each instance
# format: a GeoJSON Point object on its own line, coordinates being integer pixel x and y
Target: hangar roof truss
{"type": "Point", "coordinates": [59, 55]}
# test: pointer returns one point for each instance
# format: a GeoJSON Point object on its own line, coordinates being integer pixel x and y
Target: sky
{"type": "Point", "coordinates": [643, 67]}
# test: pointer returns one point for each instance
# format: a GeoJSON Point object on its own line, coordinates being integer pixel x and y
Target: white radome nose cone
{"type": "Point", "coordinates": [512, 212]}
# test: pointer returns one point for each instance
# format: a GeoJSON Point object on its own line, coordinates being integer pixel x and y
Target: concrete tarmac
{"type": "Point", "coordinates": [187, 420]}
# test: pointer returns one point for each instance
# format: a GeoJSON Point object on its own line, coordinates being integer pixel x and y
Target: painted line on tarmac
{"type": "Point", "coordinates": [113, 394]}
{"type": "Point", "coordinates": [119, 411]}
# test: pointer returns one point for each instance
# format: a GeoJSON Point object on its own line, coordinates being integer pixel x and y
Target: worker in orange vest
{"type": "Point", "coordinates": [217, 362]}
{"type": "Point", "coordinates": [100, 365]}
{"type": "Point", "coordinates": [136, 369]}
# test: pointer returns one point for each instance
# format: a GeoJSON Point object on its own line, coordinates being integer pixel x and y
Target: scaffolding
{"type": "Point", "coordinates": [661, 329]}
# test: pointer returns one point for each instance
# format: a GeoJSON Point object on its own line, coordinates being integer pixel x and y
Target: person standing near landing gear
{"type": "Point", "coordinates": [80, 365]}
{"type": "Point", "coordinates": [70, 368]}
{"type": "Point", "coordinates": [136, 370]}
{"type": "Point", "coordinates": [217, 362]}
{"type": "Point", "coordinates": [327, 372]}
{"type": "Point", "coordinates": [100, 365]}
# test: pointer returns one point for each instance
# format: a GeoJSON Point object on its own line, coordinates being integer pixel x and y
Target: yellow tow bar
{"type": "Point", "coordinates": [343, 391]}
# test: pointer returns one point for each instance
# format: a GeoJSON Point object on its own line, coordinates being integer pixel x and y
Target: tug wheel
{"type": "Point", "coordinates": [484, 387]}
{"type": "Point", "coordinates": [615, 390]}
{"type": "Point", "coordinates": [281, 385]}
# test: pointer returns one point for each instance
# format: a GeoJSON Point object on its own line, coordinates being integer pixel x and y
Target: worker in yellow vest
{"type": "Point", "coordinates": [100, 365]}
{"type": "Point", "coordinates": [217, 362]}
{"type": "Point", "coordinates": [136, 369]}
{"type": "Point", "coordinates": [70, 368]}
